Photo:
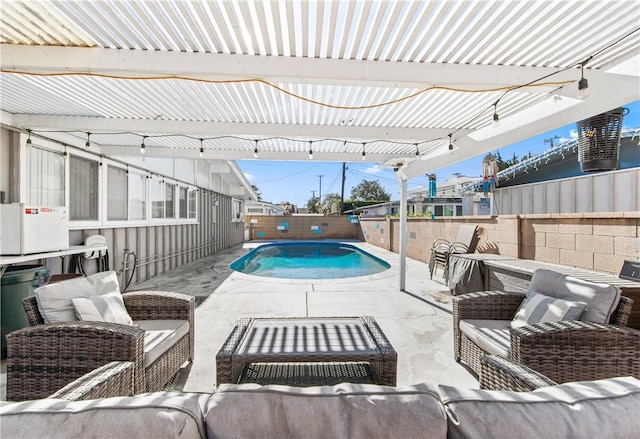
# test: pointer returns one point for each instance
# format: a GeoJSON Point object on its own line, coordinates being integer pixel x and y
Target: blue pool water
{"type": "Point", "coordinates": [309, 260]}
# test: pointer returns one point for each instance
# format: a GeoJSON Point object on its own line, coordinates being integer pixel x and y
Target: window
{"type": "Point", "coordinates": [236, 210]}
{"type": "Point", "coordinates": [182, 209]}
{"type": "Point", "coordinates": [438, 210]}
{"type": "Point", "coordinates": [156, 194]}
{"type": "Point", "coordinates": [45, 176]}
{"type": "Point", "coordinates": [83, 189]}
{"type": "Point", "coordinates": [192, 203]}
{"type": "Point", "coordinates": [448, 210]}
{"type": "Point", "coordinates": [169, 201]}
{"type": "Point", "coordinates": [137, 196]}
{"type": "Point", "coordinates": [458, 210]}
{"type": "Point", "coordinates": [117, 184]}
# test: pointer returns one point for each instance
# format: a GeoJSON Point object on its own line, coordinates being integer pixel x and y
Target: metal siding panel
{"type": "Point", "coordinates": [602, 198]}
{"type": "Point", "coordinates": [567, 196]}
{"type": "Point", "coordinates": [584, 196]}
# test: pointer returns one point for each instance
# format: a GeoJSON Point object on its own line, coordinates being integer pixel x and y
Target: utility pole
{"type": "Point", "coordinates": [320, 191]}
{"type": "Point", "coordinates": [313, 194]}
{"type": "Point", "coordinates": [344, 178]}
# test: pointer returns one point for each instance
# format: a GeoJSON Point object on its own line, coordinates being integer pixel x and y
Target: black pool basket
{"type": "Point", "coordinates": [599, 141]}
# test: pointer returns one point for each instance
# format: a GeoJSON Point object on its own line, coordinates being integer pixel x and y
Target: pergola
{"type": "Point", "coordinates": [414, 85]}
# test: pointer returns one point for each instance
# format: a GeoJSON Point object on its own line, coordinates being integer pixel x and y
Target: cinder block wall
{"type": "Point", "coordinates": [261, 227]}
{"type": "Point", "coordinates": [594, 241]}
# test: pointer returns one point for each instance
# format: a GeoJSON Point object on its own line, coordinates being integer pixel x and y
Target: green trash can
{"type": "Point", "coordinates": [18, 282]}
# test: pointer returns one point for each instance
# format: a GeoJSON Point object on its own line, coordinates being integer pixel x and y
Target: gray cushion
{"type": "Point", "coordinates": [104, 308]}
{"type": "Point", "coordinates": [538, 308]}
{"type": "Point", "coordinates": [55, 300]}
{"type": "Point", "coordinates": [601, 299]}
{"type": "Point", "coordinates": [341, 411]}
{"type": "Point", "coordinates": [160, 336]}
{"type": "Point", "coordinates": [492, 336]}
{"type": "Point", "coordinates": [591, 409]}
{"type": "Point", "coordinates": [153, 415]}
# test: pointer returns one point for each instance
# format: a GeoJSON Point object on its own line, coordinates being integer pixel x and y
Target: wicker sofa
{"type": "Point", "coordinates": [563, 351]}
{"type": "Point", "coordinates": [45, 357]}
{"type": "Point", "coordinates": [584, 409]}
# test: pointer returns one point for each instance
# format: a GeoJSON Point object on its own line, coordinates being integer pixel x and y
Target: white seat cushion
{"type": "Point", "coordinates": [160, 336]}
{"type": "Point", "coordinates": [538, 308]}
{"type": "Point", "coordinates": [55, 300]}
{"type": "Point", "coordinates": [601, 299]}
{"type": "Point", "coordinates": [105, 308]}
{"type": "Point", "coordinates": [588, 409]}
{"type": "Point", "coordinates": [345, 410]}
{"type": "Point", "coordinates": [492, 336]}
{"type": "Point", "coordinates": [151, 415]}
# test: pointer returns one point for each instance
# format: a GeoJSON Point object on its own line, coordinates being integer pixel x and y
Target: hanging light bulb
{"type": "Point", "coordinates": [364, 154]}
{"type": "Point", "coordinates": [201, 149]}
{"type": "Point", "coordinates": [142, 145]}
{"type": "Point", "coordinates": [255, 151]}
{"type": "Point", "coordinates": [417, 151]}
{"type": "Point", "coordinates": [29, 138]}
{"type": "Point", "coordinates": [88, 144]}
{"type": "Point", "coordinates": [450, 142]}
{"type": "Point", "coordinates": [583, 84]}
{"type": "Point", "coordinates": [310, 151]}
{"type": "Point", "coordinates": [496, 118]}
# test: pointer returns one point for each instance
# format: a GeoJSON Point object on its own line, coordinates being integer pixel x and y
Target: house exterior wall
{"type": "Point", "coordinates": [617, 191]}
{"type": "Point", "coordinates": [593, 241]}
{"type": "Point", "coordinates": [164, 247]}
{"type": "Point", "coordinates": [302, 227]}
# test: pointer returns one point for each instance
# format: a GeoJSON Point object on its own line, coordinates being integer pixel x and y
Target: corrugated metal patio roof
{"type": "Point", "coordinates": [395, 80]}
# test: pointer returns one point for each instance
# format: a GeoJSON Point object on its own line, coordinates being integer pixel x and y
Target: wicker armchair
{"type": "Point", "coordinates": [498, 373]}
{"type": "Point", "coordinates": [43, 358]}
{"type": "Point", "coordinates": [561, 351]}
{"type": "Point", "coordinates": [112, 379]}
{"type": "Point", "coordinates": [466, 241]}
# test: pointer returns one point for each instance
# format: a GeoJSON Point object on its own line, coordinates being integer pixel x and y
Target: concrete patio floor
{"type": "Point", "coordinates": [417, 322]}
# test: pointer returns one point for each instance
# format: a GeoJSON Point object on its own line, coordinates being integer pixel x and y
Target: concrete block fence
{"type": "Point", "coordinates": [593, 241]}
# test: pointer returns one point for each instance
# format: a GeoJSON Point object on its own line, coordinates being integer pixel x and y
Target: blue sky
{"type": "Point", "coordinates": [295, 182]}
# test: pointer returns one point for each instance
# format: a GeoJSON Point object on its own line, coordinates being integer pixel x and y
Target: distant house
{"type": "Point", "coordinates": [447, 201]}
{"type": "Point", "coordinates": [552, 182]}
{"type": "Point", "coordinates": [263, 208]}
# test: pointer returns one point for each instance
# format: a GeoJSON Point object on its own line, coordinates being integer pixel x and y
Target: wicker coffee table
{"type": "Point", "coordinates": [307, 351]}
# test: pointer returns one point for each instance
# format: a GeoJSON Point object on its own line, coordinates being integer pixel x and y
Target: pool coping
{"type": "Point", "coordinates": [383, 255]}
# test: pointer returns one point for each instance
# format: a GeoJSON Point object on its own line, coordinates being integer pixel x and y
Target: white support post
{"type": "Point", "coordinates": [403, 230]}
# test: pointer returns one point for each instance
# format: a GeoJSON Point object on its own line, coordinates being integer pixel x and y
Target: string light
{"type": "Point", "coordinates": [142, 145]}
{"type": "Point", "coordinates": [450, 142]}
{"type": "Point", "coordinates": [496, 118]}
{"type": "Point", "coordinates": [255, 151]}
{"type": "Point", "coordinates": [364, 154]}
{"type": "Point", "coordinates": [310, 151]}
{"type": "Point", "coordinates": [88, 144]}
{"type": "Point", "coordinates": [417, 151]}
{"type": "Point", "coordinates": [583, 84]}
{"type": "Point", "coordinates": [201, 149]}
{"type": "Point", "coordinates": [29, 138]}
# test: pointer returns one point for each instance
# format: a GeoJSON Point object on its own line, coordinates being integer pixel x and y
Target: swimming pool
{"type": "Point", "coordinates": [309, 260]}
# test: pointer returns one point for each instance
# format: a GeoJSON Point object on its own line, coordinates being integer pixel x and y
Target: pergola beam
{"type": "Point", "coordinates": [212, 129]}
{"type": "Point", "coordinates": [136, 63]}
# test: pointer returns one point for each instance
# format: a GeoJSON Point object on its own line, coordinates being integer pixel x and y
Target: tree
{"type": "Point", "coordinates": [313, 205]}
{"type": "Point", "coordinates": [369, 190]}
{"type": "Point", "coordinates": [257, 191]}
{"type": "Point", "coordinates": [331, 203]}
{"type": "Point", "coordinates": [514, 160]}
